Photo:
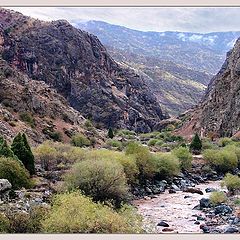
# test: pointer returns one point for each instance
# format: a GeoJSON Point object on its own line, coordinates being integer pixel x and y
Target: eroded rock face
{"type": "Point", "coordinates": [218, 114]}
{"type": "Point", "coordinates": [77, 65]}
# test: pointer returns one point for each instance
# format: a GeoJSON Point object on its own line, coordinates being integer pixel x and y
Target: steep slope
{"type": "Point", "coordinates": [77, 65]}
{"type": "Point", "coordinates": [219, 111]}
{"type": "Point", "coordinates": [177, 66]}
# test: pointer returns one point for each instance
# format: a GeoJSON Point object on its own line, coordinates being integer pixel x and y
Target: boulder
{"type": "Point", "coordinates": [231, 230]}
{"type": "Point", "coordinates": [193, 190]}
{"type": "Point", "coordinates": [222, 209]}
{"type": "Point", "coordinates": [205, 203]}
{"type": "Point", "coordinates": [163, 224]}
{"type": "Point", "coordinates": [5, 185]}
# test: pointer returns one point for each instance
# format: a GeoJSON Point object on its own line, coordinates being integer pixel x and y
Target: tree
{"type": "Point", "coordinates": [196, 144]}
{"type": "Point", "coordinates": [110, 133]}
{"type": "Point", "coordinates": [5, 150]}
{"type": "Point", "coordinates": [22, 150]}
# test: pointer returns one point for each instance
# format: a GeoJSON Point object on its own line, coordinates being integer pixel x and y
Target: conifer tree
{"type": "Point", "coordinates": [110, 133]}
{"type": "Point", "coordinates": [196, 144]}
{"type": "Point", "coordinates": [22, 150]}
{"type": "Point", "coordinates": [5, 150]}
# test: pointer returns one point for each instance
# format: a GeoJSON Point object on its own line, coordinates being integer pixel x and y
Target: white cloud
{"type": "Point", "coordinates": [190, 19]}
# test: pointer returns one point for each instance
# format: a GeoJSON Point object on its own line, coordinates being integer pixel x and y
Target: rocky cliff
{"type": "Point", "coordinates": [219, 111]}
{"type": "Point", "coordinates": [78, 66]}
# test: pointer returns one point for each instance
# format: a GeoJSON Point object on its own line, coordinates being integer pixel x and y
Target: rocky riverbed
{"type": "Point", "coordinates": [180, 212]}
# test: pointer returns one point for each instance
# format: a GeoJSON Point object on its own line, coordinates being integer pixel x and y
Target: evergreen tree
{"type": "Point", "coordinates": [22, 150]}
{"type": "Point", "coordinates": [110, 133]}
{"type": "Point", "coordinates": [196, 144]}
{"type": "Point", "coordinates": [5, 150]}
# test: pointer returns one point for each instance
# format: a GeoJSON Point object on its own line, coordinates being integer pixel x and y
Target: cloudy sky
{"type": "Point", "coordinates": [147, 18]}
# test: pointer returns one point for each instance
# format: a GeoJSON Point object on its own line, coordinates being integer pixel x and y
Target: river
{"type": "Point", "coordinates": [174, 209]}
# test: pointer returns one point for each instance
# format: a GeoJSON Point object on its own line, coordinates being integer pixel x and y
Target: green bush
{"type": "Point", "coordinates": [206, 144]}
{"type": "Point", "coordinates": [144, 159]}
{"type": "Point", "coordinates": [184, 156]}
{"type": "Point", "coordinates": [196, 144]}
{"type": "Point", "coordinates": [4, 224]}
{"type": "Point", "coordinates": [152, 142]}
{"type": "Point", "coordinates": [115, 144]}
{"type": "Point", "coordinates": [14, 172]}
{"type": "Point", "coordinates": [222, 160]}
{"type": "Point", "coordinates": [159, 143]}
{"type": "Point", "coordinates": [217, 198]}
{"type": "Point", "coordinates": [5, 150]}
{"type": "Point", "coordinates": [79, 140]}
{"type": "Point", "coordinates": [222, 142]}
{"type": "Point", "coordinates": [28, 118]}
{"type": "Point", "coordinates": [100, 178]}
{"type": "Point", "coordinates": [167, 165]}
{"type": "Point", "coordinates": [234, 148]}
{"type": "Point", "coordinates": [127, 161]}
{"type": "Point", "coordinates": [75, 213]}
{"type": "Point", "coordinates": [237, 201]}
{"type": "Point", "coordinates": [232, 182]}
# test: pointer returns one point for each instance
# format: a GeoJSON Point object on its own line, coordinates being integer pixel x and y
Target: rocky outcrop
{"type": "Point", "coordinates": [77, 65]}
{"type": "Point", "coordinates": [219, 112]}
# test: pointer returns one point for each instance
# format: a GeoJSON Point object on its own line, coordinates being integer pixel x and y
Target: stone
{"type": "Point", "coordinates": [5, 185]}
{"type": "Point", "coordinates": [163, 224]}
{"type": "Point", "coordinates": [205, 228]}
{"type": "Point", "coordinates": [167, 230]}
{"type": "Point", "coordinates": [171, 191]}
{"type": "Point", "coordinates": [208, 190]}
{"type": "Point", "coordinates": [197, 222]}
{"type": "Point", "coordinates": [175, 187]}
{"type": "Point", "coordinates": [231, 230]}
{"type": "Point", "coordinates": [193, 190]}
{"type": "Point", "coordinates": [148, 190]}
{"type": "Point", "coordinates": [205, 203]}
{"type": "Point", "coordinates": [223, 209]}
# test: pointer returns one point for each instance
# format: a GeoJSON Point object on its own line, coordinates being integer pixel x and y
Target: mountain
{"type": "Point", "coordinates": [79, 68]}
{"type": "Point", "coordinates": [219, 112]}
{"type": "Point", "coordinates": [177, 66]}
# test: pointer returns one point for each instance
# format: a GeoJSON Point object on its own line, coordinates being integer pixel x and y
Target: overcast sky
{"type": "Point", "coordinates": [147, 19]}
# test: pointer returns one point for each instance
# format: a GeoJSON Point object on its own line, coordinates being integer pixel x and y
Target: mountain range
{"type": "Point", "coordinates": [177, 66]}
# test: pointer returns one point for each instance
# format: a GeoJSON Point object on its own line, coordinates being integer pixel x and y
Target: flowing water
{"type": "Point", "coordinates": [174, 209]}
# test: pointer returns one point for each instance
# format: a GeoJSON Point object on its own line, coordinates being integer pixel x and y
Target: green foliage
{"type": "Point", "coordinates": [28, 118]}
{"type": "Point", "coordinates": [4, 224]}
{"type": "Point", "coordinates": [115, 144]}
{"type": "Point", "coordinates": [14, 172]}
{"type": "Point", "coordinates": [167, 165]}
{"type": "Point", "coordinates": [206, 144]}
{"type": "Point", "coordinates": [144, 159]}
{"type": "Point", "coordinates": [222, 160]}
{"type": "Point", "coordinates": [79, 140]}
{"type": "Point", "coordinates": [128, 162]}
{"type": "Point", "coordinates": [184, 156]}
{"type": "Point", "coordinates": [125, 132]}
{"type": "Point", "coordinates": [152, 142]}
{"type": "Point", "coordinates": [22, 222]}
{"type": "Point", "coordinates": [237, 202]}
{"type": "Point", "coordinates": [217, 198]}
{"type": "Point", "coordinates": [232, 182]}
{"type": "Point", "coordinates": [100, 178]}
{"type": "Point", "coordinates": [22, 150]}
{"type": "Point", "coordinates": [52, 134]}
{"type": "Point", "coordinates": [196, 144]}
{"type": "Point", "coordinates": [222, 142]}
{"type": "Point", "coordinates": [75, 213]}
{"type": "Point", "coordinates": [110, 133]}
{"type": "Point", "coordinates": [5, 150]}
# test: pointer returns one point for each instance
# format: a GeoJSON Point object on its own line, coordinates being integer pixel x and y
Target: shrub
{"type": "Point", "coordinates": [5, 150]}
{"type": "Point", "coordinates": [79, 140]}
{"type": "Point", "coordinates": [22, 150]}
{"type": "Point", "coordinates": [184, 156]}
{"type": "Point", "coordinates": [4, 224]}
{"type": "Point", "coordinates": [88, 217]}
{"type": "Point", "coordinates": [88, 124]}
{"type": "Point", "coordinates": [217, 198]}
{"type": "Point", "coordinates": [128, 162]}
{"type": "Point", "coordinates": [110, 133]}
{"type": "Point", "coordinates": [52, 134]}
{"type": "Point", "coordinates": [144, 159]}
{"type": "Point", "coordinates": [206, 144]}
{"type": "Point", "coordinates": [221, 160]}
{"type": "Point", "coordinates": [28, 118]}
{"type": "Point", "coordinates": [235, 149]}
{"type": "Point", "coordinates": [159, 143]}
{"type": "Point", "coordinates": [46, 155]}
{"type": "Point", "coordinates": [101, 179]}
{"type": "Point", "coordinates": [167, 165]}
{"type": "Point", "coordinates": [152, 142]}
{"type": "Point", "coordinates": [237, 201]}
{"type": "Point", "coordinates": [232, 182]}
{"type": "Point", "coordinates": [115, 144]}
{"type": "Point", "coordinates": [222, 142]}
{"type": "Point", "coordinates": [14, 172]}
{"type": "Point", "coordinates": [196, 144]}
